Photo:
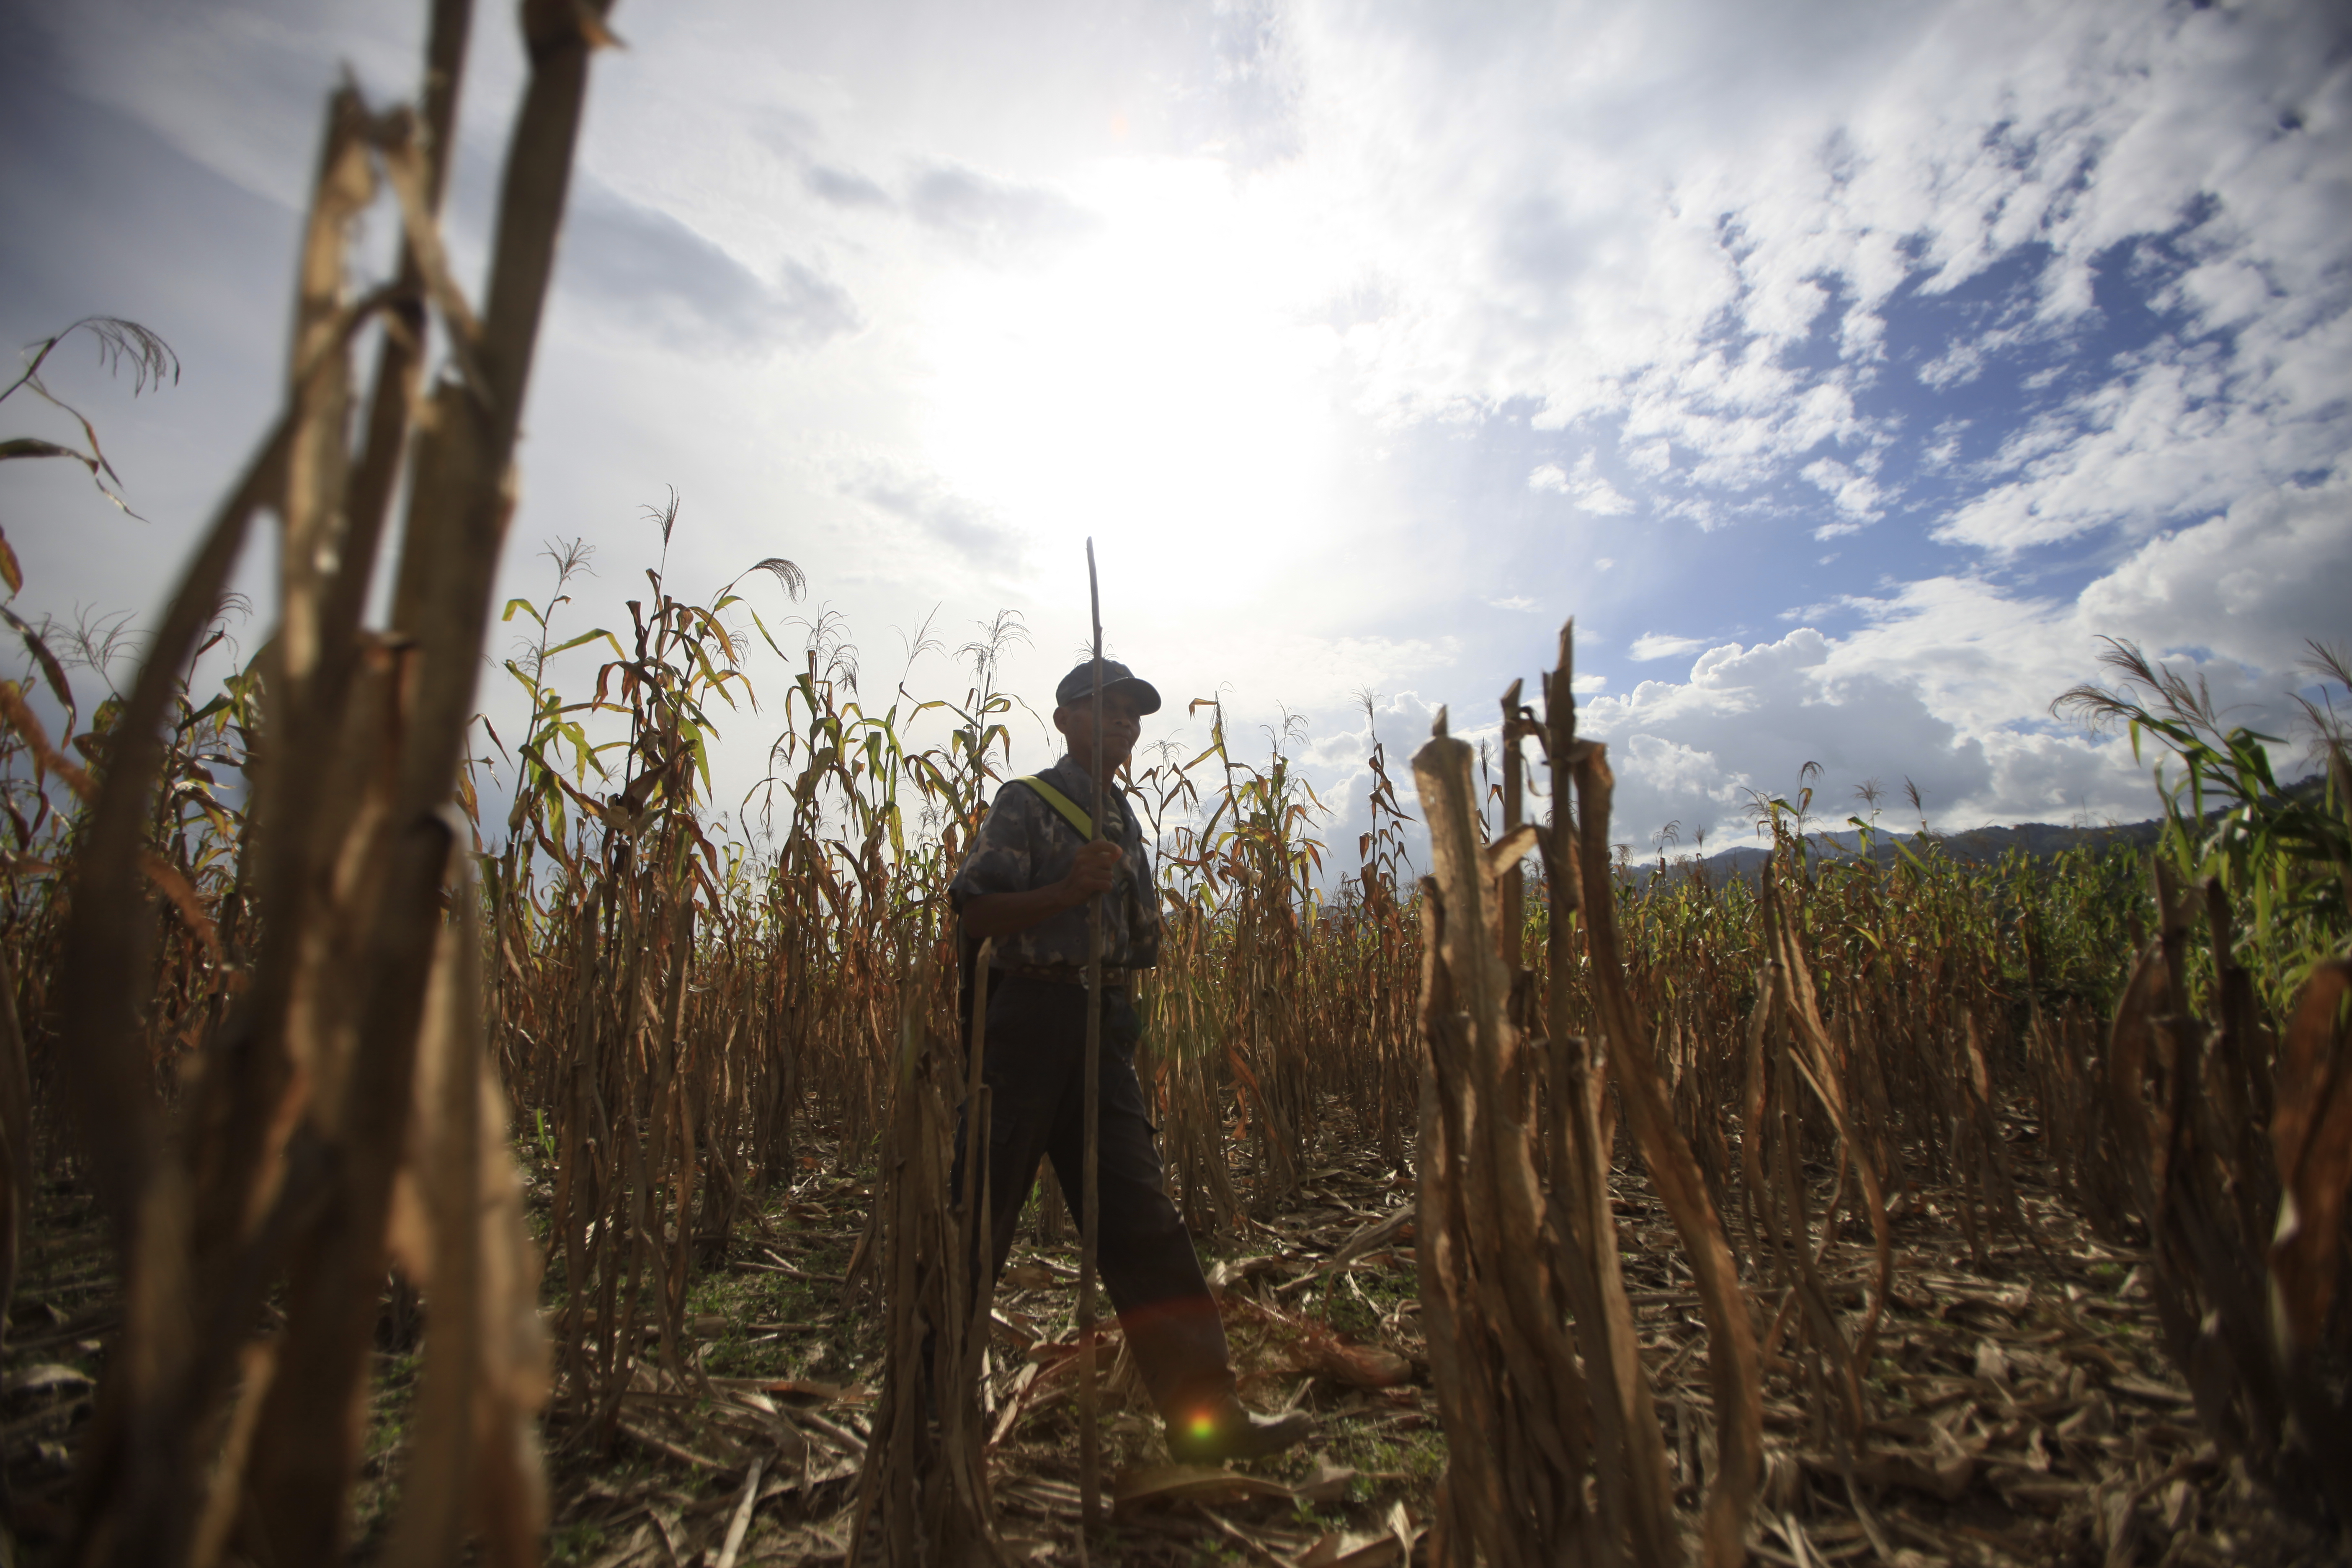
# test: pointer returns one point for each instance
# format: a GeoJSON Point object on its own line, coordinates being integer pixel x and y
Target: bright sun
{"type": "Point", "coordinates": [1158, 380]}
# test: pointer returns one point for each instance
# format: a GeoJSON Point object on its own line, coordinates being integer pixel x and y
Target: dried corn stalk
{"type": "Point", "coordinates": [2246, 1232]}
{"type": "Point", "coordinates": [15, 1141]}
{"type": "Point", "coordinates": [458, 1235]}
{"type": "Point", "coordinates": [1510, 1387]}
{"type": "Point", "coordinates": [1787, 1044]}
{"type": "Point", "coordinates": [923, 1496]}
{"type": "Point", "coordinates": [1578, 859]}
{"type": "Point", "coordinates": [1532, 1344]}
{"type": "Point", "coordinates": [281, 1161]}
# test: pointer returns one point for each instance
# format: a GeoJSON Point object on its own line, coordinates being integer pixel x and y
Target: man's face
{"type": "Point", "coordinates": [1121, 725]}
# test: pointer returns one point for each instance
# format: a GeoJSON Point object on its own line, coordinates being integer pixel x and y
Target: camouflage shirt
{"type": "Point", "coordinates": [1025, 843]}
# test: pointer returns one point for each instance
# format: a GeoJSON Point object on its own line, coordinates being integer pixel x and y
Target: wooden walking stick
{"type": "Point", "coordinates": [1089, 1399]}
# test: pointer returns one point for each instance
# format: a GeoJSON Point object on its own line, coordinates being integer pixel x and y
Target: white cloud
{"type": "Point", "coordinates": [1993, 661]}
{"type": "Point", "coordinates": [1629, 213]}
{"type": "Point", "coordinates": [2186, 429]}
{"type": "Point", "coordinates": [1656, 644]}
{"type": "Point", "coordinates": [996, 218]}
{"type": "Point", "coordinates": [1940, 456]}
{"type": "Point", "coordinates": [1590, 492]}
{"type": "Point", "coordinates": [1956, 366]}
{"type": "Point", "coordinates": [2249, 585]}
{"type": "Point", "coordinates": [1949, 680]}
{"type": "Point", "coordinates": [1850, 489]}
{"type": "Point", "coordinates": [1518, 601]}
{"type": "Point", "coordinates": [1749, 719]}
{"type": "Point", "coordinates": [913, 513]}
{"type": "Point", "coordinates": [1601, 497]}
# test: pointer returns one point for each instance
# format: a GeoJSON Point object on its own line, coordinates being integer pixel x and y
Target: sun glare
{"type": "Point", "coordinates": [1158, 379]}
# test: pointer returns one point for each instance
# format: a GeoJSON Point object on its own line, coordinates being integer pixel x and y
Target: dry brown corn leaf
{"type": "Point", "coordinates": [1350, 1549]}
{"type": "Point", "coordinates": [2310, 1132]}
{"type": "Point", "coordinates": [1227, 1272]}
{"type": "Point", "coordinates": [1326, 1483]}
{"type": "Point", "coordinates": [1155, 1485]}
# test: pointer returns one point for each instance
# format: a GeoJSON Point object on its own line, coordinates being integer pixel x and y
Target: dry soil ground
{"type": "Point", "coordinates": [2023, 1410]}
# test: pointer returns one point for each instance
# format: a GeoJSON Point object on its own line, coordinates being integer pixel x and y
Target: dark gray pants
{"type": "Point", "coordinates": [1036, 1068]}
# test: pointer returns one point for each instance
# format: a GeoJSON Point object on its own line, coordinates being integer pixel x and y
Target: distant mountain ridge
{"type": "Point", "coordinates": [2038, 840]}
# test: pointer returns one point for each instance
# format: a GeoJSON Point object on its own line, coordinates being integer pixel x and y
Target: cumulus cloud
{"type": "Point", "coordinates": [1993, 659]}
{"type": "Point", "coordinates": [2248, 585]}
{"type": "Point", "coordinates": [1851, 489]}
{"type": "Point", "coordinates": [1947, 680]}
{"type": "Point", "coordinates": [1696, 222]}
{"type": "Point", "coordinates": [1749, 719]}
{"type": "Point", "coordinates": [2189, 427]}
{"type": "Point", "coordinates": [2080, 269]}
{"type": "Point", "coordinates": [1590, 490]}
{"type": "Point", "coordinates": [1956, 366]}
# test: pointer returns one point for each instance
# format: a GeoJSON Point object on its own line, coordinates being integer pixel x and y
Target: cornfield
{"type": "Point", "coordinates": [388, 1179]}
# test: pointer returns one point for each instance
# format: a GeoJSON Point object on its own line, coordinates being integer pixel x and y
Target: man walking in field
{"type": "Point", "coordinates": [1026, 883]}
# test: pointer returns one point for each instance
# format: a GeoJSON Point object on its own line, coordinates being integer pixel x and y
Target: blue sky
{"type": "Point", "coordinates": [1847, 371]}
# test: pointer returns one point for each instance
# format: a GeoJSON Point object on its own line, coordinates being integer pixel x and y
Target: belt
{"type": "Point", "coordinates": [1114, 976]}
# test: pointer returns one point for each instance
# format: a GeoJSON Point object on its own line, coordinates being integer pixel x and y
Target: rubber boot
{"type": "Point", "coordinates": [1180, 1349]}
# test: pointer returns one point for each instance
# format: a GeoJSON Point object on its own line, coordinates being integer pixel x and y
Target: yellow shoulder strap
{"type": "Point", "coordinates": [1069, 809]}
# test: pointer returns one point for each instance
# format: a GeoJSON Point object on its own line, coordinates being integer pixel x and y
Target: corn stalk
{"type": "Point", "coordinates": [286, 1157]}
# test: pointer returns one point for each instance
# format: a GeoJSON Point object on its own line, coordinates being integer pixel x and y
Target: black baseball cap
{"type": "Point", "coordinates": [1079, 685]}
